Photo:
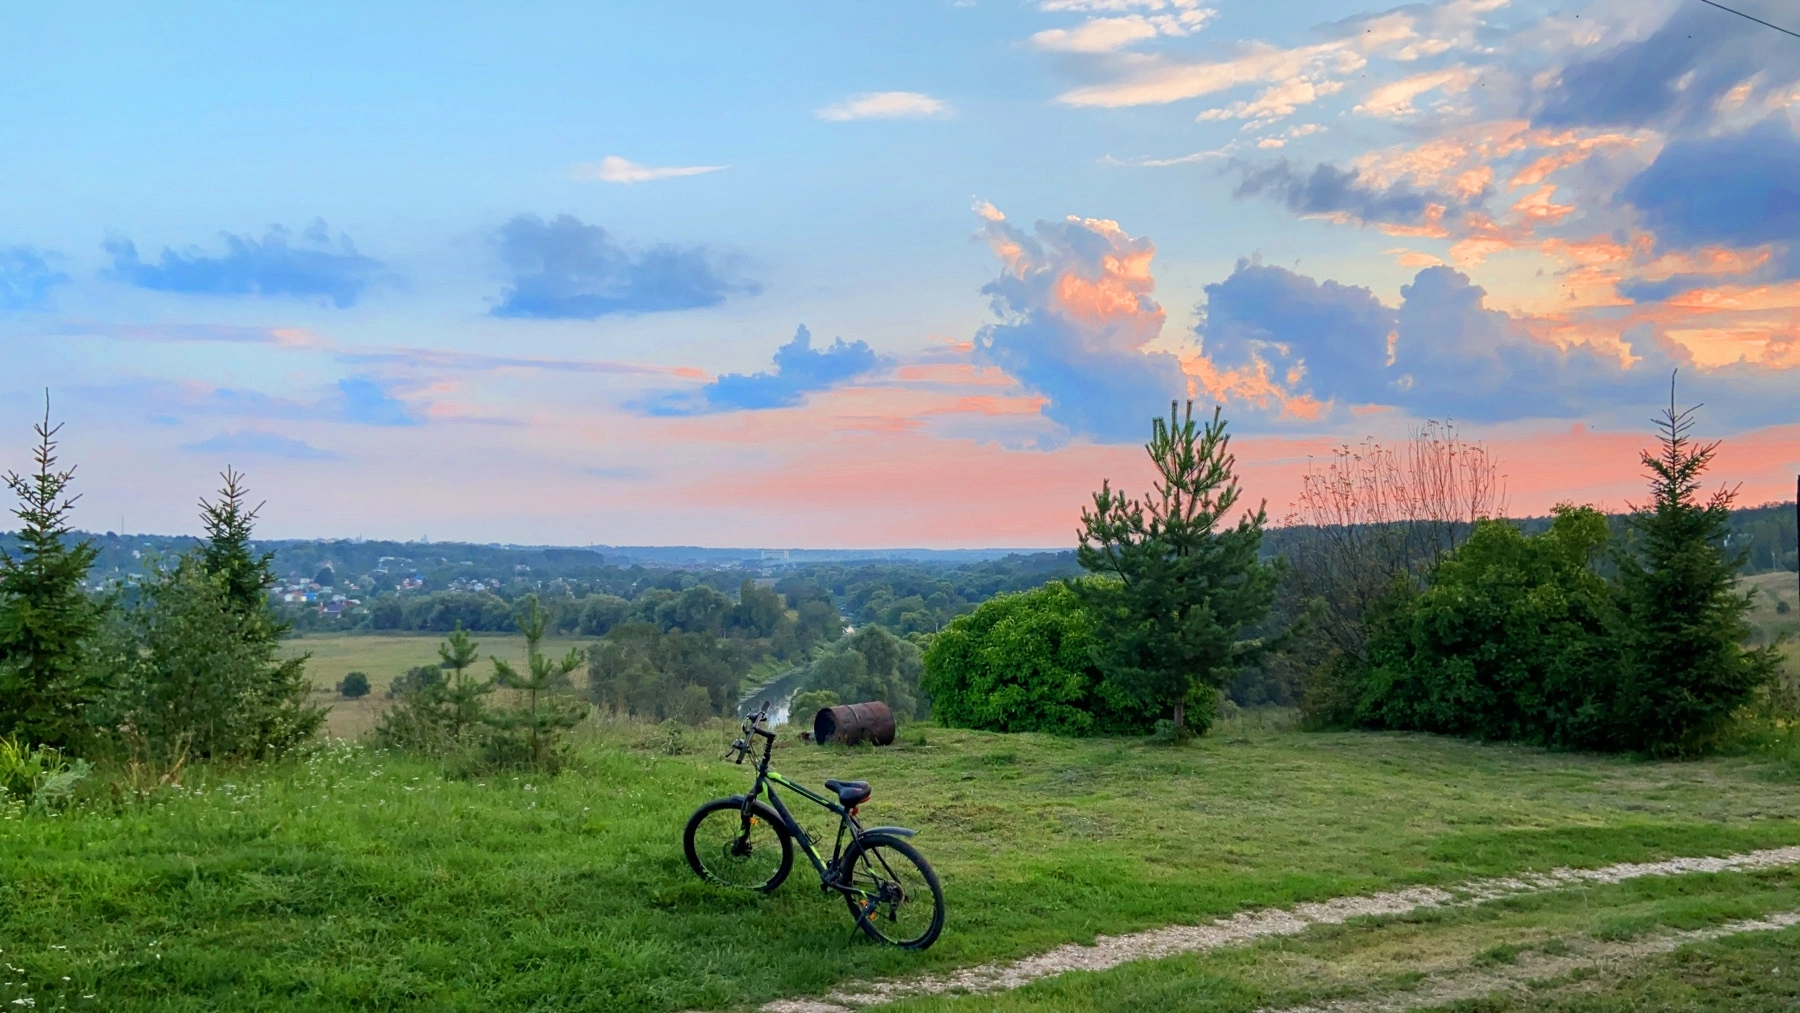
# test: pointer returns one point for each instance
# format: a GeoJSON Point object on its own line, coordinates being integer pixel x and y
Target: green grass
{"type": "Point", "coordinates": [1390, 957]}
{"type": "Point", "coordinates": [356, 880]}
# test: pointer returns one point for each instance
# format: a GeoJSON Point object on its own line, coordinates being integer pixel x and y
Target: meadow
{"type": "Point", "coordinates": [384, 656]}
{"type": "Point", "coordinates": [348, 878]}
{"type": "Point", "coordinates": [1770, 624]}
{"type": "Point", "coordinates": [353, 879]}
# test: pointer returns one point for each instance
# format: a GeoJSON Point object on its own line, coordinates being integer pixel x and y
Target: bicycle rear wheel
{"type": "Point", "coordinates": [896, 889]}
{"type": "Point", "coordinates": [738, 850]}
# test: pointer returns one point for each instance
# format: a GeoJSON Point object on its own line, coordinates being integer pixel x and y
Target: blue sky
{"type": "Point", "coordinates": [539, 273]}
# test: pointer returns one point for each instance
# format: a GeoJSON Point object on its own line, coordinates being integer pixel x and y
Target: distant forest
{"type": "Point", "coordinates": [346, 584]}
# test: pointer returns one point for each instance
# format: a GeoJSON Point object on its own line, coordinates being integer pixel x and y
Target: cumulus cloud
{"type": "Point", "coordinates": [1076, 315]}
{"type": "Point", "coordinates": [565, 269]}
{"type": "Point", "coordinates": [1300, 328]}
{"type": "Point", "coordinates": [26, 278]}
{"type": "Point", "coordinates": [884, 105]}
{"type": "Point", "coordinates": [312, 265]}
{"type": "Point", "coordinates": [1443, 352]}
{"type": "Point", "coordinates": [258, 443]}
{"type": "Point", "coordinates": [613, 169]}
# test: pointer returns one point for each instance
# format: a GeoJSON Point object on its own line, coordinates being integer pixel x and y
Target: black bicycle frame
{"type": "Point", "coordinates": [767, 779]}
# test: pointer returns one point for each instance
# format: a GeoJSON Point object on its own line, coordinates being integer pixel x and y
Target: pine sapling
{"type": "Point", "coordinates": [542, 717]}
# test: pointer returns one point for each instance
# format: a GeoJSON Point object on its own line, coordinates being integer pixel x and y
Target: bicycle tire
{"type": "Point", "coordinates": [711, 846]}
{"type": "Point", "coordinates": [864, 862]}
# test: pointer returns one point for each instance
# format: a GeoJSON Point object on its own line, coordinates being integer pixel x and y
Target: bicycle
{"type": "Point", "coordinates": [743, 843]}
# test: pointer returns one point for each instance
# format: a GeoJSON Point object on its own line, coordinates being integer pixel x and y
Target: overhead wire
{"type": "Point", "coordinates": [1751, 17]}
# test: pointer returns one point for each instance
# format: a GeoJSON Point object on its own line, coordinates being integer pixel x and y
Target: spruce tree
{"type": "Point", "coordinates": [48, 621]}
{"type": "Point", "coordinates": [228, 555]}
{"type": "Point", "coordinates": [1180, 584]}
{"type": "Point", "coordinates": [267, 694]}
{"type": "Point", "coordinates": [1683, 621]}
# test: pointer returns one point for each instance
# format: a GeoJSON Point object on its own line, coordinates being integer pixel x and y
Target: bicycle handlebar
{"type": "Point", "coordinates": [752, 727]}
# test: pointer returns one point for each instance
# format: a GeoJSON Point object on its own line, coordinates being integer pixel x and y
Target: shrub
{"type": "Point", "coordinates": [355, 686]}
{"type": "Point", "coordinates": [414, 680]}
{"type": "Point", "coordinates": [870, 664]}
{"type": "Point", "coordinates": [1024, 663]}
{"type": "Point", "coordinates": [1782, 608]}
{"type": "Point", "coordinates": [806, 706]}
{"type": "Point", "coordinates": [200, 673]}
{"type": "Point", "coordinates": [1510, 640]}
{"type": "Point", "coordinates": [203, 678]}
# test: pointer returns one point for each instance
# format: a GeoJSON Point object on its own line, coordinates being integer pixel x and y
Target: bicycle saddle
{"type": "Point", "coordinates": [850, 792]}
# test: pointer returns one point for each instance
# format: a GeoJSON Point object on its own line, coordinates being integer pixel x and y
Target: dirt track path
{"type": "Point", "coordinates": [1528, 968]}
{"type": "Point", "coordinates": [1251, 926]}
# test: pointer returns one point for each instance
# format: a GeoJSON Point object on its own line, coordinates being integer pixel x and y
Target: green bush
{"type": "Point", "coordinates": [1025, 663]}
{"type": "Point", "coordinates": [203, 675]}
{"type": "Point", "coordinates": [414, 680]}
{"type": "Point", "coordinates": [355, 686]}
{"type": "Point", "coordinates": [806, 706]}
{"type": "Point", "coordinates": [1509, 640]}
{"type": "Point", "coordinates": [870, 664]}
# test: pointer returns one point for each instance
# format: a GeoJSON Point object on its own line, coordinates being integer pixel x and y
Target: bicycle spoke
{"type": "Point", "coordinates": [735, 854]}
{"type": "Point", "coordinates": [905, 906]}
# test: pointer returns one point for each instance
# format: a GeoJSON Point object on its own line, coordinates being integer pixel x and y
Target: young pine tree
{"type": "Point", "coordinates": [48, 622]}
{"type": "Point", "coordinates": [542, 717]}
{"type": "Point", "coordinates": [1182, 586]}
{"type": "Point", "coordinates": [1683, 620]}
{"type": "Point", "coordinates": [464, 696]}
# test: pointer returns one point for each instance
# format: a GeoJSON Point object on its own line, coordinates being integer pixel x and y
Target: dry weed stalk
{"type": "Point", "coordinates": [1378, 513]}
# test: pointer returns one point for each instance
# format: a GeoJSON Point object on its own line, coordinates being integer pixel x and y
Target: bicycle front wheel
{"type": "Point", "coordinates": [894, 895]}
{"type": "Point", "coordinates": [737, 848]}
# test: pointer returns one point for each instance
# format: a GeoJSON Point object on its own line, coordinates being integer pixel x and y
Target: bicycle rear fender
{"type": "Point", "coordinates": [896, 831]}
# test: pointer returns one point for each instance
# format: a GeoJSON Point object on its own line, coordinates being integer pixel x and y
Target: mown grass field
{"type": "Point", "coordinates": [357, 880]}
{"type": "Point", "coordinates": [382, 657]}
{"type": "Point", "coordinates": [1770, 624]}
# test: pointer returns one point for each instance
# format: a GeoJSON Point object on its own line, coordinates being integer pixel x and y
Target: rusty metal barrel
{"type": "Point", "coordinates": [852, 723]}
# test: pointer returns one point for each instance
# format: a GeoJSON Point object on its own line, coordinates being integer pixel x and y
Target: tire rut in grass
{"type": "Point", "coordinates": [1531, 968]}
{"type": "Point", "coordinates": [1248, 927]}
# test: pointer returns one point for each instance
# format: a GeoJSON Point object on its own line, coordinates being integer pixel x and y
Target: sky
{"type": "Point", "coordinates": [879, 275]}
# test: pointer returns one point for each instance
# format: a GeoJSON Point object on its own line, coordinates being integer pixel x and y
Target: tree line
{"type": "Point", "coordinates": [1399, 601]}
{"type": "Point", "coordinates": [184, 667]}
